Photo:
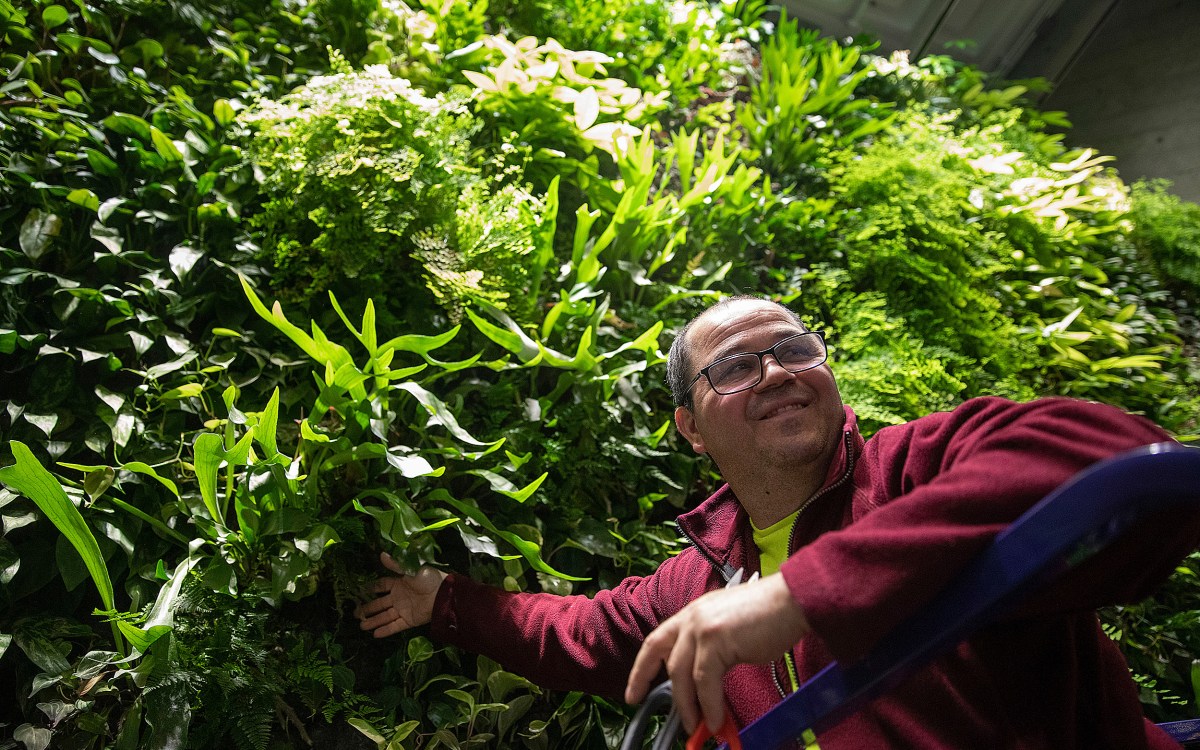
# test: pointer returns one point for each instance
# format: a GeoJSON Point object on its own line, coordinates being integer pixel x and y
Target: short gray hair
{"type": "Point", "coordinates": [680, 372]}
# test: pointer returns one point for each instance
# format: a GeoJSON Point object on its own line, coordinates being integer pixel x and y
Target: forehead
{"type": "Point", "coordinates": [745, 325]}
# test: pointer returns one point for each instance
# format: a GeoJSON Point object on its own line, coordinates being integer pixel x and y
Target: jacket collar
{"type": "Point", "coordinates": [719, 527]}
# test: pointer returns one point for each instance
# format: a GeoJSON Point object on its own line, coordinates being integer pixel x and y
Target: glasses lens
{"type": "Point", "coordinates": [741, 371]}
{"type": "Point", "coordinates": [800, 352]}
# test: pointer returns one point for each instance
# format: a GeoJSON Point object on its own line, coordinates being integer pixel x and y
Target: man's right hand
{"type": "Point", "coordinates": [402, 601]}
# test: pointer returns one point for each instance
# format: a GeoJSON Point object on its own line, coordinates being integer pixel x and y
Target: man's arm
{"type": "Point", "coordinates": [558, 642]}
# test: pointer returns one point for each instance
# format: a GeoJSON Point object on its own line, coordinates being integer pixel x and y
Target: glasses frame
{"type": "Point", "coordinates": [762, 367]}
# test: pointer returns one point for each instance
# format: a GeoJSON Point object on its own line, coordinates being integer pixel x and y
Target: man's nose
{"type": "Point", "coordinates": [773, 372]}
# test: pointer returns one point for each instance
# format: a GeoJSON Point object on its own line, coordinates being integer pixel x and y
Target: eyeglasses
{"type": "Point", "coordinates": [739, 372]}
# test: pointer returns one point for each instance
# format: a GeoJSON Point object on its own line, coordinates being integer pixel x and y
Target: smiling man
{"type": "Point", "coordinates": [852, 537]}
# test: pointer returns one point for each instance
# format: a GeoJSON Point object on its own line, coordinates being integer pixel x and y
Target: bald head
{"type": "Point", "coordinates": [681, 365]}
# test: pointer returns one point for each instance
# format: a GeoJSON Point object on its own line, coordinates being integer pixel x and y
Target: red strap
{"type": "Point", "coordinates": [727, 733]}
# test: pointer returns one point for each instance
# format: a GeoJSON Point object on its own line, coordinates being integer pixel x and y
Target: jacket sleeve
{"type": "Point", "coordinates": [939, 490]}
{"type": "Point", "coordinates": [563, 642]}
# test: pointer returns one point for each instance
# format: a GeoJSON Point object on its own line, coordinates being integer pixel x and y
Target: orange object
{"type": "Point", "coordinates": [728, 734]}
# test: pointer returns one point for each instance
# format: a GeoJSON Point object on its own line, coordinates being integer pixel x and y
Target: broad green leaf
{"type": "Point", "coordinates": [165, 147]}
{"type": "Point", "coordinates": [223, 112]}
{"type": "Point", "coordinates": [31, 479]}
{"type": "Point", "coordinates": [127, 124]}
{"type": "Point", "coordinates": [313, 544]}
{"type": "Point", "coordinates": [142, 639]}
{"type": "Point", "coordinates": [84, 197]}
{"type": "Point", "coordinates": [96, 482]}
{"type": "Point", "coordinates": [367, 730]}
{"type": "Point", "coordinates": [239, 454]}
{"type": "Point", "coordinates": [268, 425]}
{"type": "Point", "coordinates": [421, 344]}
{"type": "Point", "coordinates": [187, 390]}
{"type": "Point", "coordinates": [108, 58]}
{"type": "Point", "coordinates": [513, 341]}
{"type": "Point", "coordinates": [208, 454]}
{"type": "Point", "coordinates": [411, 467]}
{"type": "Point", "coordinates": [145, 469]}
{"type": "Point", "coordinates": [367, 336]}
{"type": "Point", "coordinates": [320, 349]}
{"type": "Point", "coordinates": [439, 414]}
{"type": "Point", "coordinates": [37, 230]}
{"type": "Point", "coordinates": [530, 551]}
{"type": "Point", "coordinates": [102, 164]}
{"type": "Point", "coordinates": [31, 737]}
{"type": "Point", "coordinates": [163, 611]}
{"type": "Point", "coordinates": [182, 259]}
{"type": "Point", "coordinates": [507, 488]}
{"type": "Point", "coordinates": [54, 15]}
{"type": "Point", "coordinates": [646, 342]}
{"type": "Point", "coordinates": [587, 108]}
{"type": "Point", "coordinates": [311, 435]}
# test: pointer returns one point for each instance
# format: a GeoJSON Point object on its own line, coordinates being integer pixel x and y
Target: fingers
{"type": "Point", "coordinates": [709, 670]}
{"type": "Point", "coordinates": [373, 607]}
{"type": "Point", "coordinates": [681, 667]}
{"type": "Point", "coordinates": [390, 563]}
{"type": "Point", "coordinates": [384, 619]}
{"type": "Point", "coordinates": [752, 623]}
{"type": "Point", "coordinates": [395, 626]}
{"type": "Point", "coordinates": [649, 662]}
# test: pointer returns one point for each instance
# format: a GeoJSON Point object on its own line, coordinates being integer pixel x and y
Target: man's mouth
{"type": "Point", "coordinates": [783, 409]}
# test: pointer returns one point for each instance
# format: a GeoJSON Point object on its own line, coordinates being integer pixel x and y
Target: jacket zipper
{"type": "Point", "coordinates": [850, 457]}
{"type": "Point", "coordinates": [726, 571]}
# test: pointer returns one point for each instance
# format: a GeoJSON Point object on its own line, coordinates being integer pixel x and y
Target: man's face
{"type": "Point", "coordinates": [789, 420]}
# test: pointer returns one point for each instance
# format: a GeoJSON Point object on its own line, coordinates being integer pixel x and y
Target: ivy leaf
{"type": "Point", "coordinates": [84, 197]}
{"type": "Point", "coordinates": [165, 147]}
{"type": "Point", "coordinates": [38, 229]}
{"type": "Point", "coordinates": [182, 259]}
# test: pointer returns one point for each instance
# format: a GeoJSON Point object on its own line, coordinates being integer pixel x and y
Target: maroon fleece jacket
{"type": "Point", "coordinates": [897, 517]}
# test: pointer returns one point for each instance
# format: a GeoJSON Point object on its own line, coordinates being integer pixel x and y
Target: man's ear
{"type": "Point", "coordinates": [685, 422]}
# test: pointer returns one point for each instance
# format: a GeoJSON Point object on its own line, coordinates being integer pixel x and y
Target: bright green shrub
{"type": "Point", "coordinates": [685, 51]}
{"type": "Point", "coordinates": [901, 229]}
{"type": "Point", "coordinates": [1166, 230]}
{"type": "Point", "coordinates": [805, 101]}
{"type": "Point", "coordinates": [367, 183]}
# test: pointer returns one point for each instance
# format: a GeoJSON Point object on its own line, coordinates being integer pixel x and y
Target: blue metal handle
{"type": "Point", "coordinates": [1078, 519]}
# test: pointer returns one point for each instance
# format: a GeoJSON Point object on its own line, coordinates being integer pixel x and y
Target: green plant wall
{"type": "Point", "coordinates": [286, 285]}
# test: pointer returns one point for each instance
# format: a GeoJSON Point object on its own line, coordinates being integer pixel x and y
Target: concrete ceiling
{"type": "Point", "coordinates": [1006, 37]}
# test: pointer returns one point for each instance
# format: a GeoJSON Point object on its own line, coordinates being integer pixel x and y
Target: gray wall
{"type": "Point", "coordinates": [1133, 91]}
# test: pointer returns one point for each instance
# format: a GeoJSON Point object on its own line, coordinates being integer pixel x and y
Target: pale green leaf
{"type": "Point", "coordinates": [31, 479]}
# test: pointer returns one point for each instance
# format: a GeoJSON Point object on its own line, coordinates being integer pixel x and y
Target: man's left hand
{"type": "Point", "coordinates": [749, 624]}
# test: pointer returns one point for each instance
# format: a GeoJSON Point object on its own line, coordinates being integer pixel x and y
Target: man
{"type": "Point", "coordinates": [862, 534]}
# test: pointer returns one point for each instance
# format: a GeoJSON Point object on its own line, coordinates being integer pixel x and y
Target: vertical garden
{"type": "Point", "coordinates": [286, 284]}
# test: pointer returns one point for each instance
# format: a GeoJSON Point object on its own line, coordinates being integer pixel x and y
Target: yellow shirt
{"type": "Point", "coordinates": [772, 543]}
